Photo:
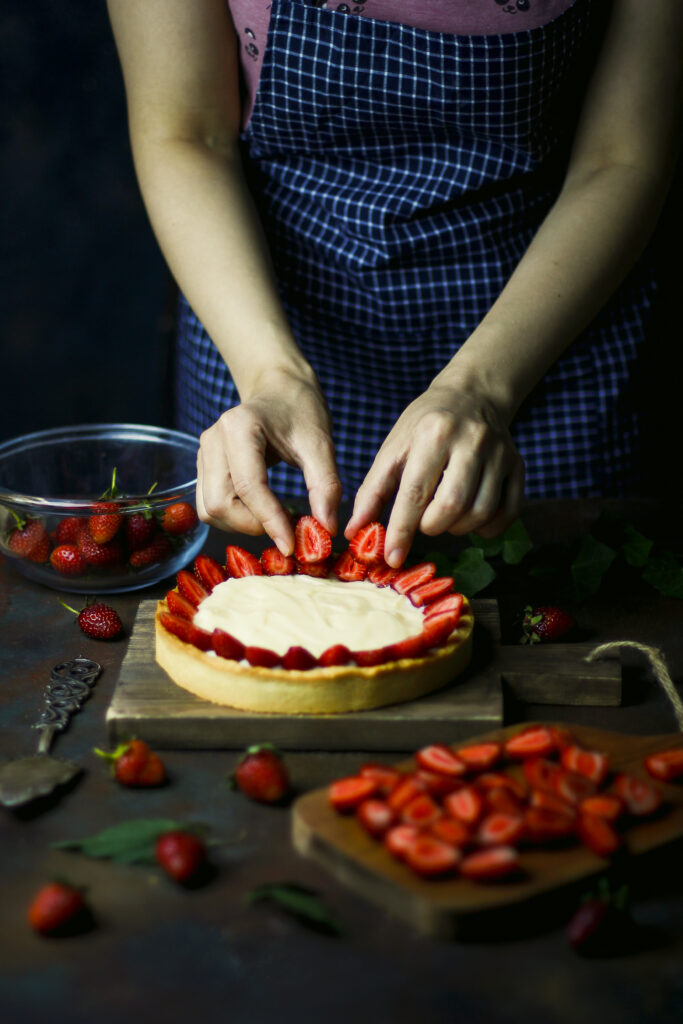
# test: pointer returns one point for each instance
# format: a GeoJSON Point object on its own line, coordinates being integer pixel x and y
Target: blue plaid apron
{"type": "Point", "coordinates": [400, 174]}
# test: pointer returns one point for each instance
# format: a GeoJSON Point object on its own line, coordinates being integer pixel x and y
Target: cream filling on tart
{"type": "Point", "coordinates": [279, 612]}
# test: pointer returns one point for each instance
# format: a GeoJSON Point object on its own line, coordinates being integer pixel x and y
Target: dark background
{"type": "Point", "coordinates": [86, 303]}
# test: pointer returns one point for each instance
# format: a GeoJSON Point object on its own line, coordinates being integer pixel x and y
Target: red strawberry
{"type": "Point", "coordinates": [438, 628]}
{"type": "Point", "coordinates": [448, 830]}
{"type": "Point", "coordinates": [382, 575]}
{"type": "Point", "coordinates": [439, 758]}
{"type": "Point", "coordinates": [431, 857]}
{"type": "Point", "coordinates": [346, 568]}
{"type": "Point", "coordinates": [466, 805]}
{"type": "Point", "coordinates": [67, 560]}
{"type": "Point", "coordinates": [499, 780]}
{"type": "Point", "coordinates": [261, 657]}
{"type": "Point", "coordinates": [532, 741]}
{"type": "Point", "coordinates": [179, 605]}
{"type": "Point", "coordinates": [298, 658]}
{"type": "Point", "coordinates": [139, 529]}
{"type": "Point", "coordinates": [451, 604]}
{"type": "Point", "coordinates": [542, 825]}
{"type": "Point", "coordinates": [411, 647]}
{"type": "Point", "coordinates": [98, 621]}
{"type": "Point", "coordinates": [427, 593]}
{"type": "Point", "coordinates": [421, 811]}
{"type": "Point", "coordinates": [347, 793]}
{"type": "Point", "coordinates": [640, 798]}
{"type": "Point", "coordinates": [385, 776]}
{"type": "Point", "coordinates": [503, 800]}
{"type": "Point", "coordinates": [603, 805]}
{"type": "Point", "coordinates": [276, 564]}
{"type": "Point", "coordinates": [68, 529]}
{"type": "Point", "coordinates": [262, 774]}
{"type": "Point", "coordinates": [179, 518]}
{"type": "Point", "coordinates": [227, 646]}
{"type": "Point", "coordinates": [240, 563]}
{"type": "Point", "coordinates": [591, 763]}
{"type": "Point", "coordinates": [598, 835]}
{"type": "Point", "coordinates": [404, 791]}
{"type": "Point", "coordinates": [572, 787]}
{"type": "Point", "coordinates": [436, 783]}
{"type": "Point", "coordinates": [156, 551]}
{"type": "Point", "coordinates": [480, 756]}
{"type": "Point", "coordinates": [102, 555]}
{"type": "Point", "coordinates": [190, 587]}
{"type": "Point", "coordinates": [541, 773]}
{"type": "Point", "coordinates": [376, 816]}
{"type": "Point", "coordinates": [186, 631]}
{"type": "Point", "coordinates": [105, 522]}
{"type": "Point", "coordinates": [321, 570]}
{"type": "Point", "coordinates": [338, 654]}
{"type": "Point", "coordinates": [312, 542]}
{"type": "Point", "coordinates": [500, 828]}
{"type": "Point", "coordinates": [180, 854]}
{"type": "Point", "coordinates": [367, 545]}
{"type": "Point", "coordinates": [209, 572]}
{"type": "Point", "coordinates": [546, 622]}
{"type": "Point", "coordinates": [490, 864]}
{"type": "Point", "coordinates": [55, 907]}
{"type": "Point", "coordinates": [135, 764]}
{"type": "Point", "coordinates": [399, 838]}
{"type": "Point", "coordinates": [407, 579]}
{"type": "Point", "coordinates": [552, 802]}
{"type": "Point", "coordinates": [376, 656]}
{"type": "Point", "coordinates": [30, 540]}
{"type": "Point", "coordinates": [665, 765]}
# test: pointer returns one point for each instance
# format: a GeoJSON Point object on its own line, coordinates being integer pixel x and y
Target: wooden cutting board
{"type": "Point", "coordinates": [147, 704]}
{"type": "Point", "coordinates": [448, 908]}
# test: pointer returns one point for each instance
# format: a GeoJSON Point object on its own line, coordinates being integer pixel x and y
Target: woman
{"type": "Point", "coordinates": [420, 218]}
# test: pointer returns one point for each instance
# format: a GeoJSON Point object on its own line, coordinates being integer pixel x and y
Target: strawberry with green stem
{"type": "Point", "coordinates": [135, 764]}
{"type": "Point", "coordinates": [29, 539]}
{"type": "Point", "coordinates": [262, 774]}
{"type": "Point", "coordinates": [545, 623]}
{"type": "Point", "coordinates": [99, 621]}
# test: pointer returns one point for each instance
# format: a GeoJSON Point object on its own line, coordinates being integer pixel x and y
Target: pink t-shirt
{"type": "Point", "coordinates": [461, 17]}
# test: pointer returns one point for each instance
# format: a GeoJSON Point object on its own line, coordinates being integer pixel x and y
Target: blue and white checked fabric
{"type": "Point", "coordinates": [400, 174]}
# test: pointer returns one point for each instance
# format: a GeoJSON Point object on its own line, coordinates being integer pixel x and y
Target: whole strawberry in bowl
{"type": "Point", "coordinates": [101, 508]}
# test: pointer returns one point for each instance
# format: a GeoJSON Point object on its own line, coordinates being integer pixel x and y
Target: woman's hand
{"type": "Point", "coordinates": [453, 466]}
{"type": "Point", "coordinates": [286, 418]}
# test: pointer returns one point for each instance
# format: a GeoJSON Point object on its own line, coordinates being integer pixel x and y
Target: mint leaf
{"type": "Point", "coordinates": [472, 572]}
{"type": "Point", "coordinates": [491, 546]}
{"type": "Point", "coordinates": [516, 543]}
{"type": "Point", "coordinates": [635, 546]}
{"type": "Point", "coordinates": [592, 561]}
{"type": "Point", "coordinates": [130, 842]}
{"type": "Point", "coordinates": [302, 903]}
{"type": "Point", "coordinates": [664, 573]}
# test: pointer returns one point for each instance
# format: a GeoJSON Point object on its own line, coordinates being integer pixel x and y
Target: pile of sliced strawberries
{"type": "Point", "coordinates": [469, 810]}
{"type": "Point", "coordinates": [364, 559]}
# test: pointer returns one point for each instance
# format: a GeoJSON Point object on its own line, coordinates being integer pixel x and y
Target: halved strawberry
{"type": "Point", "coordinates": [426, 593]}
{"type": "Point", "coordinates": [480, 756]}
{"type": "Point", "coordinates": [382, 575]}
{"type": "Point", "coordinates": [598, 835]}
{"type": "Point", "coordinates": [186, 631]}
{"type": "Point", "coordinates": [298, 658]}
{"type": "Point", "coordinates": [411, 647]}
{"type": "Point", "coordinates": [190, 587]}
{"type": "Point", "coordinates": [448, 830]}
{"type": "Point", "coordinates": [500, 798]}
{"type": "Point", "coordinates": [421, 811]}
{"type": "Point", "coordinates": [532, 741]}
{"type": "Point", "coordinates": [573, 787]}
{"type": "Point", "coordinates": [437, 757]}
{"type": "Point", "coordinates": [338, 654]}
{"type": "Point", "coordinates": [430, 857]}
{"type": "Point", "coordinates": [603, 805]}
{"type": "Point", "coordinates": [261, 657]}
{"type": "Point", "coordinates": [367, 545]}
{"type": "Point", "coordinates": [496, 780]}
{"type": "Point", "coordinates": [209, 572]}
{"type": "Point", "coordinates": [438, 628]}
{"type": "Point", "coordinates": [490, 864]}
{"type": "Point", "coordinates": [591, 763]}
{"type": "Point", "coordinates": [450, 603]}
{"type": "Point", "coordinates": [179, 605]}
{"type": "Point", "coordinates": [376, 816]}
{"type": "Point", "coordinates": [436, 783]}
{"type": "Point", "coordinates": [500, 828]}
{"type": "Point", "coordinates": [346, 568]}
{"type": "Point", "coordinates": [384, 775]}
{"type": "Point", "coordinates": [347, 793]}
{"type": "Point", "coordinates": [542, 825]}
{"type": "Point", "coordinates": [552, 802]}
{"type": "Point", "coordinates": [240, 563]}
{"type": "Point", "coordinates": [227, 646]}
{"type": "Point", "coordinates": [407, 579]}
{"type": "Point", "coordinates": [639, 796]}
{"type": "Point", "coordinates": [465, 804]}
{"type": "Point", "coordinates": [541, 773]}
{"type": "Point", "coordinates": [320, 570]}
{"type": "Point", "coordinates": [665, 765]}
{"type": "Point", "coordinates": [398, 838]}
{"type": "Point", "coordinates": [376, 656]}
{"type": "Point", "coordinates": [404, 791]}
{"type": "Point", "coordinates": [276, 564]}
{"type": "Point", "coordinates": [312, 542]}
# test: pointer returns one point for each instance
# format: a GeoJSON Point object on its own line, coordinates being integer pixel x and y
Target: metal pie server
{"type": "Point", "coordinates": [26, 778]}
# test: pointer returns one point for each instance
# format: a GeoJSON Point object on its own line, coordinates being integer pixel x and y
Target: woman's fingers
{"type": "Point", "coordinates": [511, 503]}
{"type": "Point", "coordinates": [315, 454]}
{"type": "Point", "coordinates": [217, 502]}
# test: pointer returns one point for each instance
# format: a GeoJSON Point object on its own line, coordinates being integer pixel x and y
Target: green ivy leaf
{"type": "Point", "coordinates": [516, 543]}
{"type": "Point", "coordinates": [592, 561]}
{"type": "Point", "coordinates": [472, 572]}
{"type": "Point", "coordinates": [130, 842]}
{"type": "Point", "coordinates": [490, 546]}
{"type": "Point", "coordinates": [635, 546]}
{"type": "Point", "coordinates": [444, 564]}
{"type": "Point", "coordinates": [664, 573]}
{"type": "Point", "coordinates": [299, 901]}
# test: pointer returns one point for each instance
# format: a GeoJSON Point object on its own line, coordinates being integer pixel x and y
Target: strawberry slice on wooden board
{"type": "Point", "coordinates": [367, 545]}
{"type": "Point", "coordinates": [665, 765]}
{"type": "Point", "coordinates": [465, 805]}
{"type": "Point", "coordinates": [532, 741]}
{"type": "Point", "coordinates": [490, 864]}
{"type": "Point", "coordinates": [640, 797]}
{"type": "Point", "coordinates": [376, 816]}
{"type": "Point", "coordinates": [437, 757]}
{"type": "Point", "coordinates": [480, 756]}
{"type": "Point", "coordinates": [603, 805]}
{"type": "Point", "coordinates": [240, 563]}
{"type": "Point", "coordinates": [599, 835]}
{"type": "Point", "coordinates": [431, 857]}
{"type": "Point", "coordinates": [347, 793]}
{"type": "Point", "coordinates": [398, 838]}
{"type": "Point", "coordinates": [591, 763]}
{"type": "Point", "coordinates": [448, 830]}
{"type": "Point", "coordinates": [421, 811]}
{"type": "Point", "coordinates": [312, 542]}
{"type": "Point", "coordinates": [385, 776]}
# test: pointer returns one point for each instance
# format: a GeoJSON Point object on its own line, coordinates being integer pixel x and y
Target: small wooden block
{"type": "Point", "coordinates": [559, 674]}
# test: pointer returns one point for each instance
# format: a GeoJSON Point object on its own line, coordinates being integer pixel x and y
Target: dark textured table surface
{"type": "Point", "coordinates": [208, 955]}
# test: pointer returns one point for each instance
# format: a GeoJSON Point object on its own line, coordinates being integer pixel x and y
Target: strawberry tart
{"type": "Point", "coordinates": [312, 633]}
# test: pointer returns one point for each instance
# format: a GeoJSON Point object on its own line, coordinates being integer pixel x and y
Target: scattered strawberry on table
{"type": "Point", "coordinates": [99, 621]}
{"type": "Point", "coordinates": [135, 764]}
{"type": "Point", "coordinates": [180, 854]}
{"type": "Point", "coordinates": [262, 774]}
{"type": "Point", "coordinates": [55, 908]}
{"type": "Point", "coordinates": [472, 810]}
{"type": "Point", "coordinates": [545, 623]}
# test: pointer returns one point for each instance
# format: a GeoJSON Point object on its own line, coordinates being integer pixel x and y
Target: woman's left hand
{"type": "Point", "coordinates": [453, 466]}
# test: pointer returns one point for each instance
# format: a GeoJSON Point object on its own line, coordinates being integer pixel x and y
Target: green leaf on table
{"type": "Point", "coordinates": [299, 901]}
{"type": "Point", "coordinates": [635, 546]}
{"type": "Point", "coordinates": [490, 546]}
{"type": "Point", "coordinates": [472, 572]}
{"type": "Point", "coordinates": [129, 842]}
{"type": "Point", "coordinates": [516, 543]}
{"type": "Point", "coordinates": [590, 564]}
{"type": "Point", "coordinates": [444, 564]}
{"type": "Point", "coordinates": [665, 574]}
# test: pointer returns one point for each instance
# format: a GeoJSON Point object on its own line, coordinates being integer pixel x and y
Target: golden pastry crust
{"type": "Point", "coordinates": [318, 691]}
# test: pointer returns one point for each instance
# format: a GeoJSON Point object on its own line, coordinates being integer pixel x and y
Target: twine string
{"type": "Point", "coordinates": [657, 664]}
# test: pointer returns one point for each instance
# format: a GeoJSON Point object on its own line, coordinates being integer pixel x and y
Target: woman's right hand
{"type": "Point", "coordinates": [284, 418]}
